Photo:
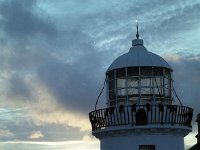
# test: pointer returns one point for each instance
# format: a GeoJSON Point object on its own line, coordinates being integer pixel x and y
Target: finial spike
{"type": "Point", "coordinates": [137, 35]}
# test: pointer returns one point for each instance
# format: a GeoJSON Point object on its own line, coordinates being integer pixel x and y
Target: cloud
{"type": "Point", "coordinates": [186, 78]}
{"type": "Point", "coordinates": [188, 13]}
{"type": "Point", "coordinates": [53, 57]}
{"type": "Point", "coordinates": [43, 74]}
{"type": "Point", "coordinates": [6, 134]}
{"type": "Point", "coordinates": [44, 110]}
{"type": "Point", "coordinates": [64, 118]}
{"type": "Point", "coordinates": [18, 88]}
{"type": "Point", "coordinates": [36, 135]}
{"type": "Point", "coordinates": [19, 19]}
{"type": "Point", "coordinates": [89, 138]}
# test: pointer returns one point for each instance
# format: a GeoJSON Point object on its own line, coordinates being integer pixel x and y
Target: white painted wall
{"type": "Point", "coordinates": [162, 141]}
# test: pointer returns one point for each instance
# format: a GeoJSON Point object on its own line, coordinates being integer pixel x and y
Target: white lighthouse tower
{"type": "Point", "coordinates": [140, 113]}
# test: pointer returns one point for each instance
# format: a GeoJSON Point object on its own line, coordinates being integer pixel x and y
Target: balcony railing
{"type": "Point", "coordinates": [137, 115]}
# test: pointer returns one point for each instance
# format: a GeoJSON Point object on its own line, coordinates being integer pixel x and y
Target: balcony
{"type": "Point", "coordinates": [137, 115]}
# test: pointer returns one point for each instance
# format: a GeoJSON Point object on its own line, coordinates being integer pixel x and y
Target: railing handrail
{"type": "Point", "coordinates": [137, 114]}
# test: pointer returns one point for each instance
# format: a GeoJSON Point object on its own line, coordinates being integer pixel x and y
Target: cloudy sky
{"type": "Point", "coordinates": [54, 54]}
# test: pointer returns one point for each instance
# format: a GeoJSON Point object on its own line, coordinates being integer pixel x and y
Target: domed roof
{"type": "Point", "coordinates": [138, 56]}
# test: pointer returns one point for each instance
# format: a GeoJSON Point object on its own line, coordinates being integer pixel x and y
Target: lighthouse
{"type": "Point", "coordinates": [141, 113]}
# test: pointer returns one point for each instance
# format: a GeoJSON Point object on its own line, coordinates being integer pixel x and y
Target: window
{"type": "Point", "coordinates": [121, 83]}
{"type": "Point", "coordinates": [132, 82]}
{"type": "Point", "coordinates": [139, 84]}
{"type": "Point", "coordinates": [147, 147]}
{"type": "Point", "coordinates": [146, 81]}
{"type": "Point", "coordinates": [111, 75]}
{"type": "Point", "coordinates": [120, 73]}
{"type": "Point", "coordinates": [133, 71]}
{"type": "Point", "coordinates": [146, 71]}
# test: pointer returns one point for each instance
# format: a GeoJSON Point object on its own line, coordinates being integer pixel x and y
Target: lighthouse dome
{"type": "Point", "coordinates": [139, 56]}
{"type": "Point", "coordinates": [139, 76]}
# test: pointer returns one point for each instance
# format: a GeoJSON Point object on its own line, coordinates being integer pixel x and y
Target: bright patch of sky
{"type": "Point", "coordinates": [11, 114]}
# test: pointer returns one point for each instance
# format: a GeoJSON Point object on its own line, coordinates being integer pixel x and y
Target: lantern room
{"type": "Point", "coordinates": [139, 77]}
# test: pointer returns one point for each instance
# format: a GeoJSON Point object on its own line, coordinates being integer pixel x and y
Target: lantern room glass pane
{"type": "Point", "coordinates": [134, 71]}
{"type": "Point", "coordinates": [158, 81]}
{"type": "Point", "coordinates": [167, 83]}
{"type": "Point", "coordinates": [112, 85]}
{"type": "Point", "coordinates": [121, 83]}
{"type": "Point", "coordinates": [112, 94]}
{"type": "Point", "coordinates": [146, 81]}
{"type": "Point", "coordinates": [167, 71]}
{"type": "Point", "coordinates": [158, 91]}
{"type": "Point", "coordinates": [132, 82]}
{"type": "Point", "coordinates": [158, 71]}
{"type": "Point", "coordinates": [121, 92]}
{"type": "Point", "coordinates": [133, 99]}
{"type": "Point", "coordinates": [121, 101]}
{"type": "Point", "coordinates": [167, 92]}
{"type": "Point", "coordinates": [111, 75]}
{"type": "Point", "coordinates": [146, 91]}
{"type": "Point", "coordinates": [146, 71]}
{"type": "Point", "coordinates": [133, 91]}
{"type": "Point", "coordinates": [120, 73]}
{"type": "Point", "coordinates": [158, 85]}
{"type": "Point", "coordinates": [167, 80]}
{"type": "Point", "coordinates": [167, 88]}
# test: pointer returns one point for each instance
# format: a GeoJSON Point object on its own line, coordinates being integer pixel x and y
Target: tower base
{"type": "Point", "coordinates": [161, 138]}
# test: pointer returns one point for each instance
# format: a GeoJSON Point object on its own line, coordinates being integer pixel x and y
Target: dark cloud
{"type": "Point", "coordinates": [64, 63]}
{"type": "Point", "coordinates": [187, 81]}
{"type": "Point", "coordinates": [74, 84]}
{"type": "Point", "coordinates": [18, 89]}
{"type": "Point", "coordinates": [181, 19]}
{"type": "Point", "coordinates": [69, 66]}
{"type": "Point", "coordinates": [19, 20]}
